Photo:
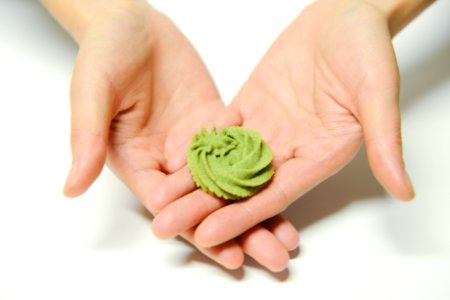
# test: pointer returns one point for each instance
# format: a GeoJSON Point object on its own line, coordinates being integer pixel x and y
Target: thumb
{"type": "Point", "coordinates": [380, 119]}
{"type": "Point", "coordinates": [91, 101]}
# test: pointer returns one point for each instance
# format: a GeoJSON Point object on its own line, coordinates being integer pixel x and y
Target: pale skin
{"type": "Point", "coordinates": [140, 91]}
{"type": "Point", "coordinates": [329, 83]}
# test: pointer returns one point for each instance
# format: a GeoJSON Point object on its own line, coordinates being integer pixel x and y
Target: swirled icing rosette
{"type": "Point", "coordinates": [232, 164]}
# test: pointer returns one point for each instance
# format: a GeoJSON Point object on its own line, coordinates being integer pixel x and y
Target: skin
{"type": "Point", "coordinates": [328, 83]}
{"type": "Point", "coordinates": [139, 92]}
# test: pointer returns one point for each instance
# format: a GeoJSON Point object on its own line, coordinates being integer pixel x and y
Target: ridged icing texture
{"type": "Point", "coordinates": [232, 164]}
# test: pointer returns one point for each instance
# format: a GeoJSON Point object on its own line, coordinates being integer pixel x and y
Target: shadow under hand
{"type": "Point", "coordinates": [424, 75]}
{"type": "Point", "coordinates": [354, 182]}
{"type": "Point", "coordinates": [196, 256]}
{"type": "Point", "coordinates": [122, 225]}
{"type": "Point", "coordinates": [280, 276]}
{"type": "Point", "coordinates": [238, 274]}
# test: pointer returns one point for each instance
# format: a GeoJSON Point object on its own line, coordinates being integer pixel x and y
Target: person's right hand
{"type": "Point", "coordinates": [139, 93]}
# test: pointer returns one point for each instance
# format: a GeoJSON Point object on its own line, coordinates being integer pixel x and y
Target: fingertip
{"type": "Point", "coordinates": [280, 267]}
{"type": "Point", "coordinates": [230, 255]}
{"type": "Point", "coordinates": [408, 193]}
{"type": "Point", "coordinates": [162, 225]}
{"type": "Point", "coordinates": [290, 240]}
{"type": "Point", "coordinates": [173, 187]}
{"type": "Point", "coordinates": [161, 198]}
{"type": "Point", "coordinates": [84, 171]}
{"type": "Point", "coordinates": [157, 201]}
{"type": "Point", "coordinates": [71, 191]}
{"type": "Point", "coordinates": [73, 186]}
{"type": "Point", "coordinates": [387, 165]}
{"type": "Point", "coordinates": [284, 231]}
{"type": "Point", "coordinates": [232, 258]}
{"type": "Point", "coordinates": [277, 263]}
{"type": "Point", "coordinates": [280, 263]}
{"type": "Point", "coordinates": [205, 235]}
{"type": "Point", "coordinates": [395, 181]}
{"type": "Point", "coordinates": [410, 196]}
{"type": "Point", "coordinates": [260, 244]}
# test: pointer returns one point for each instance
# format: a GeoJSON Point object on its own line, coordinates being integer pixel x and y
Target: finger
{"type": "Point", "coordinates": [229, 254]}
{"type": "Point", "coordinates": [143, 183]}
{"type": "Point", "coordinates": [284, 231]}
{"type": "Point", "coordinates": [173, 187]}
{"type": "Point", "coordinates": [265, 248]}
{"type": "Point", "coordinates": [185, 213]}
{"type": "Point", "coordinates": [284, 237]}
{"type": "Point", "coordinates": [179, 217]}
{"type": "Point", "coordinates": [91, 106]}
{"type": "Point", "coordinates": [380, 119]}
{"type": "Point", "coordinates": [291, 180]}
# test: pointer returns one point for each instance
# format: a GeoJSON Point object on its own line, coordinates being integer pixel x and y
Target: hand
{"type": "Point", "coordinates": [329, 80]}
{"type": "Point", "coordinates": [139, 93]}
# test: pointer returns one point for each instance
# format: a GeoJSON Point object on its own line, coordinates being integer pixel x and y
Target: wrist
{"type": "Point", "coordinates": [76, 16]}
{"type": "Point", "coordinates": [399, 13]}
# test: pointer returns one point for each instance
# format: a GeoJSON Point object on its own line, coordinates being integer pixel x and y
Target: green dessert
{"type": "Point", "coordinates": [232, 164]}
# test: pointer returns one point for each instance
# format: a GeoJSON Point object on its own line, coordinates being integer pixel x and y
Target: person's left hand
{"type": "Point", "coordinates": [330, 79]}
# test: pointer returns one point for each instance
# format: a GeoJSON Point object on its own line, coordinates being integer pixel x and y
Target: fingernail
{"type": "Point", "coordinates": [70, 178]}
{"type": "Point", "coordinates": [409, 185]}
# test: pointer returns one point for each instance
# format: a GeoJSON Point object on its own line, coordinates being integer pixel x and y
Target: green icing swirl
{"type": "Point", "coordinates": [232, 164]}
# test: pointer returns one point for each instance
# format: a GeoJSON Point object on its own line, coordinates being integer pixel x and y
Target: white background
{"type": "Point", "coordinates": [356, 241]}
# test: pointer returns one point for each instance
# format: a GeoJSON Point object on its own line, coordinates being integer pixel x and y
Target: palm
{"type": "Point", "coordinates": [164, 102]}
{"type": "Point", "coordinates": [157, 89]}
{"type": "Point", "coordinates": [305, 98]}
{"type": "Point", "coordinates": [310, 88]}
{"type": "Point", "coordinates": [157, 94]}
